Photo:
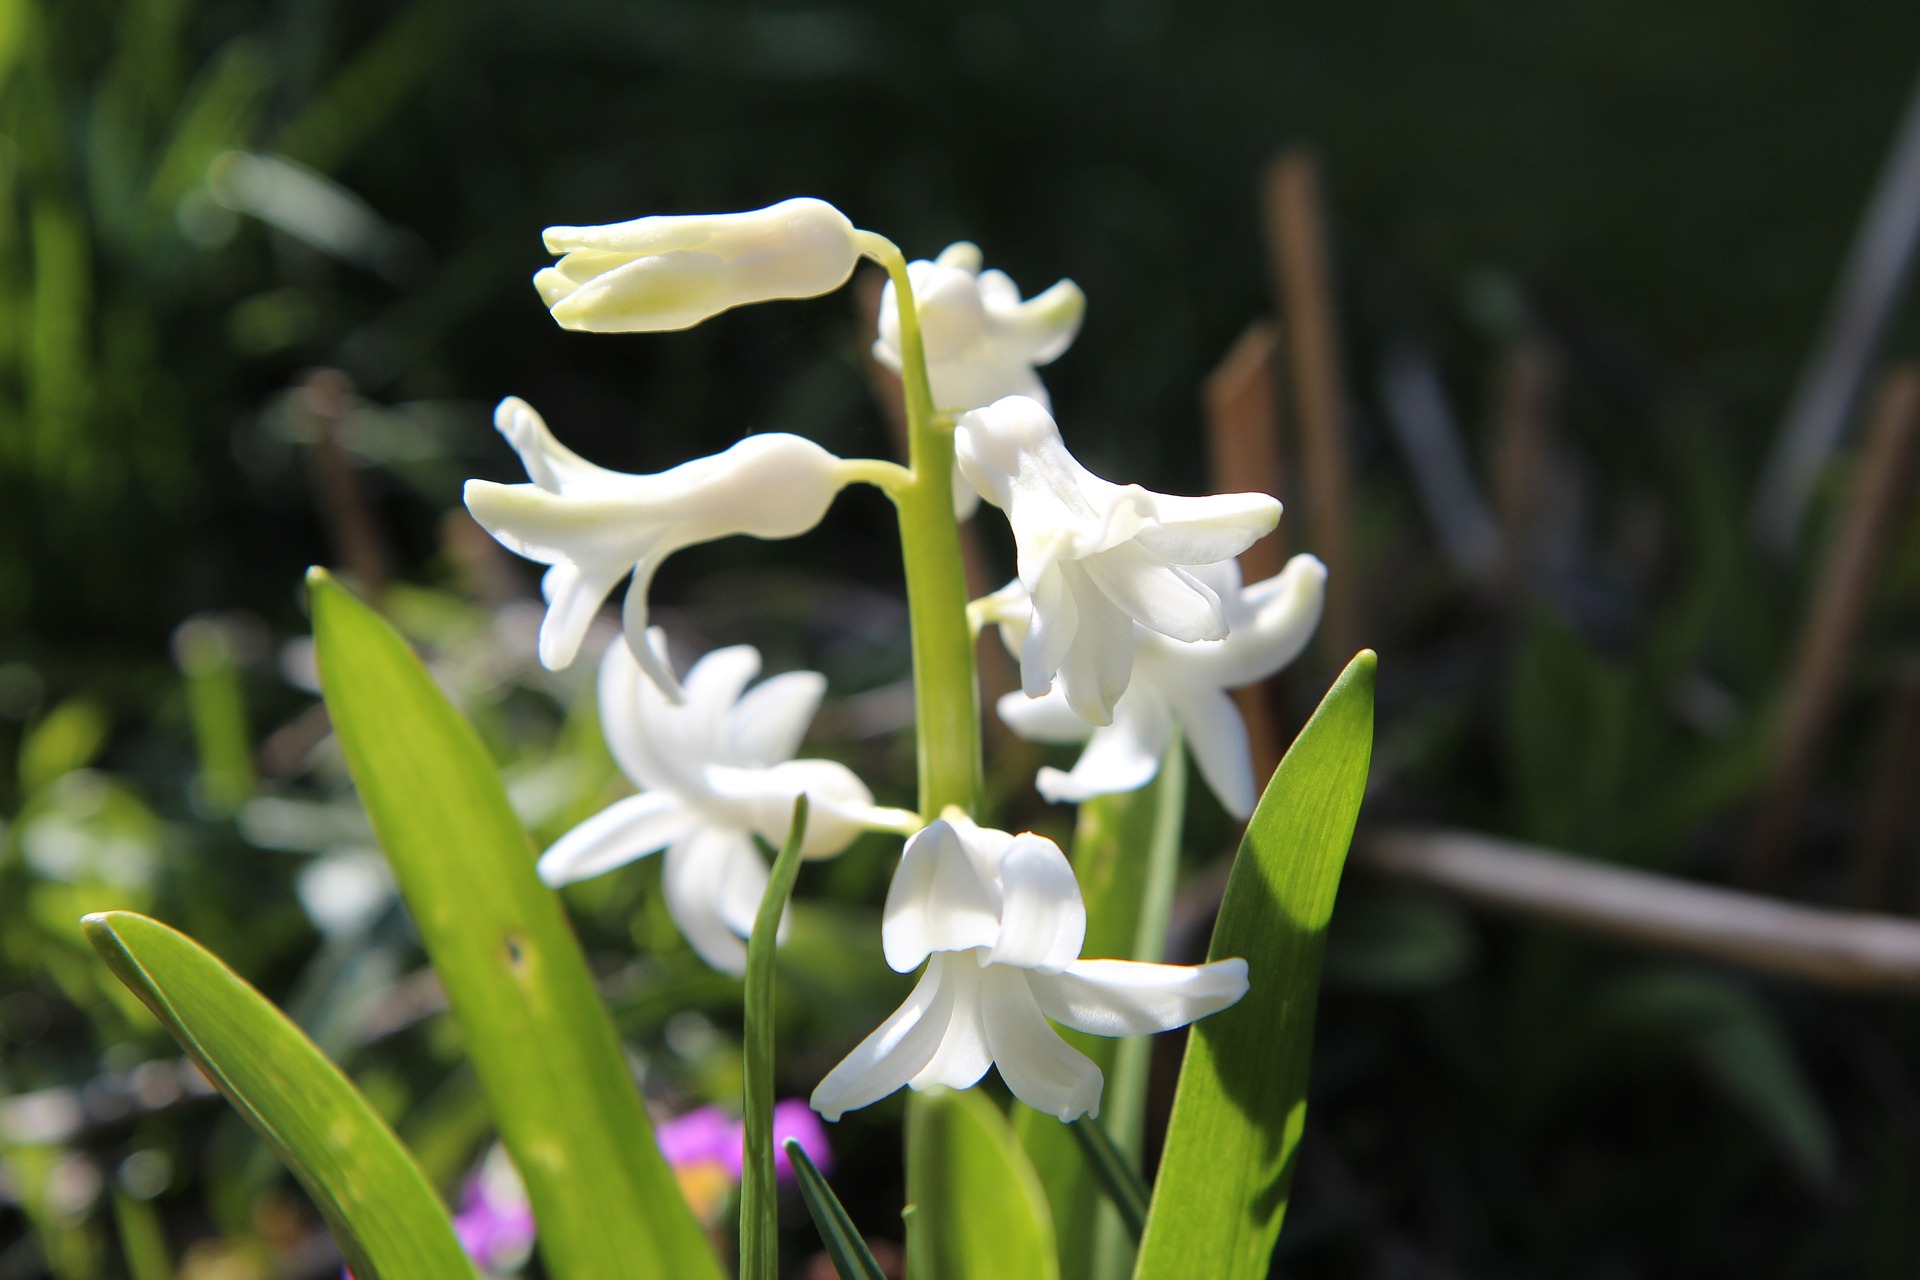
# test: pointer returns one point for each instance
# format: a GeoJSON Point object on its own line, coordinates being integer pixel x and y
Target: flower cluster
{"type": "Point", "coordinates": [1127, 615]}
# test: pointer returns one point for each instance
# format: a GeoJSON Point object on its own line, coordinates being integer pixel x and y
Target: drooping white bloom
{"type": "Point", "coordinates": [999, 921]}
{"type": "Point", "coordinates": [594, 526]}
{"type": "Point", "coordinates": [714, 771]}
{"type": "Point", "coordinates": [1173, 681]}
{"type": "Point", "coordinates": [673, 271]}
{"type": "Point", "coordinates": [1097, 557]}
{"type": "Point", "coordinates": [982, 341]}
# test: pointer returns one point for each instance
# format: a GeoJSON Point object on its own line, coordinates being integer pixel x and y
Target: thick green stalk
{"type": "Point", "coordinates": [759, 1216]}
{"type": "Point", "coordinates": [947, 716]}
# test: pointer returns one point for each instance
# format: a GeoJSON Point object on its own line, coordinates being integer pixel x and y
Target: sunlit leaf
{"type": "Point", "coordinates": [383, 1213]}
{"type": "Point", "coordinates": [980, 1212]}
{"type": "Point", "coordinates": [516, 980]}
{"type": "Point", "coordinates": [1225, 1174]}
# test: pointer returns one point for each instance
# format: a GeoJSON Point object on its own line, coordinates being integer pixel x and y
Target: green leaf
{"type": "Point", "coordinates": [1237, 1115]}
{"type": "Point", "coordinates": [385, 1216]}
{"type": "Point", "coordinates": [759, 1210]}
{"type": "Point", "coordinates": [516, 980]}
{"type": "Point", "coordinates": [68, 739]}
{"type": "Point", "coordinates": [1126, 851]}
{"type": "Point", "coordinates": [1117, 1175]}
{"type": "Point", "coordinates": [981, 1213]}
{"type": "Point", "coordinates": [851, 1257]}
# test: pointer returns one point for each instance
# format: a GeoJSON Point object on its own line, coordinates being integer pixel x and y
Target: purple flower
{"type": "Point", "coordinates": [707, 1135]}
{"type": "Point", "coordinates": [495, 1223]}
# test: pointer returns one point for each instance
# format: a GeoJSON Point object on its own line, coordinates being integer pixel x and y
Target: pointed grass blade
{"type": "Point", "coordinates": [981, 1211]}
{"type": "Point", "coordinates": [1224, 1176]}
{"type": "Point", "coordinates": [383, 1213]}
{"type": "Point", "coordinates": [516, 980]}
{"type": "Point", "coordinates": [838, 1237]}
{"type": "Point", "coordinates": [759, 1210]}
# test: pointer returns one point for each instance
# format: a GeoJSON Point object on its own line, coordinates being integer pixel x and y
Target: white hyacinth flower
{"type": "Point", "coordinates": [595, 526]}
{"type": "Point", "coordinates": [999, 921]}
{"type": "Point", "coordinates": [673, 271]}
{"type": "Point", "coordinates": [982, 342]}
{"type": "Point", "coordinates": [1097, 557]}
{"type": "Point", "coordinates": [714, 771]}
{"type": "Point", "coordinates": [1174, 681]}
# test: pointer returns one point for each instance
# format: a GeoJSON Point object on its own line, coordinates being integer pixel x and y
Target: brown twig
{"type": "Point", "coordinates": [1518, 466]}
{"type": "Point", "coordinates": [1303, 282]}
{"type": "Point", "coordinates": [1845, 580]}
{"type": "Point", "coordinates": [1242, 408]}
{"type": "Point", "coordinates": [1890, 815]}
{"type": "Point", "coordinates": [1845, 949]}
{"type": "Point", "coordinates": [326, 396]}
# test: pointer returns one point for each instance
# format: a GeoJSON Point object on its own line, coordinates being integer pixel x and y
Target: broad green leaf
{"type": "Point", "coordinates": [980, 1212]}
{"type": "Point", "coordinates": [1237, 1115]}
{"type": "Point", "coordinates": [384, 1214]}
{"type": "Point", "coordinates": [518, 985]}
{"type": "Point", "coordinates": [1126, 851]}
{"type": "Point", "coordinates": [759, 1210]}
{"type": "Point", "coordinates": [838, 1236]}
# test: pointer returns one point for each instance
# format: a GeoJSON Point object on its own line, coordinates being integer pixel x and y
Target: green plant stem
{"type": "Point", "coordinates": [947, 718]}
{"type": "Point", "coordinates": [1117, 1176]}
{"type": "Point", "coordinates": [759, 1211]}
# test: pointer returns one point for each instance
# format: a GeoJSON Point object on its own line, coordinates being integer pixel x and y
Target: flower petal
{"type": "Point", "coordinates": [634, 716]}
{"type": "Point", "coordinates": [549, 464]}
{"type": "Point", "coordinates": [1050, 632]}
{"type": "Point", "coordinates": [713, 880]}
{"type": "Point", "coordinates": [896, 1051]}
{"type": "Point", "coordinates": [1040, 1068]}
{"type": "Point", "coordinates": [963, 1056]}
{"type": "Point", "coordinates": [713, 685]}
{"type": "Point", "coordinates": [1047, 719]}
{"type": "Point", "coordinates": [938, 901]}
{"type": "Point", "coordinates": [1217, 736]}
{"type": "Point", "coordinates": [839, 806]}
{"type": "Point", "coordinates": [623, 831]}
{"type": "Point", "coordinates": [1159, 596]}
{"type": "Point", "coordinates": [1276, 619]}
{"type": "Point", "coordinates": [1122, 756]}
{"type": "Point", "coordinates": [1203, 530]}
{"type": "Point", "coordinates": [1127, 998]}
{"type": "Point", "coordinates": [1094, 672]}
{"type": "Point", "coordinates": [1043, 920]}
{"type": "Point", "coordinates": [766, 726]}
{"type": "Point", "coordinates": [574, 594]}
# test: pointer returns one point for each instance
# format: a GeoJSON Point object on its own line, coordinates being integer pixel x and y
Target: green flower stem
{"type": "Point", "coordinates": [947, 720]}
{"type": "Point", "coordinates": [759, 1217]}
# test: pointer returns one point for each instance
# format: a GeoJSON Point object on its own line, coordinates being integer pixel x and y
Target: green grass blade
{"type": "Point", "coordinates": [838, 1237]}
{"type": "Point", "coordinates": [1224, 1176]}
{"type": "Point", "coordinates": [143, 1241]}
{"type": "Point", "coordinates": [1126, 852]}
{"type": "Point", "coordinates": [759, 1210]}
{"type": "Point", "coordinates": [385, 1216]}
{"type": "Point", "coordinates": [981, 1211]}
{"type": "Point", "coordinates": [1116, 1173]}
{"type": "Point", "coordinates": [518, 985]}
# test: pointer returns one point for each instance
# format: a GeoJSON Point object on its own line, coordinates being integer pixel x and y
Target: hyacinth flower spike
{"type": "Point", "coordinates": [1096, 557]}
{"type": "Point", "coordinates": [999, 921]}
{"type": "Point", "coordinates": [1174, 681]}
{"type": "Point", "coordinates": [594, 527]}
{"type": "Point", "coordinates": [715, 771]}
{"type": "Point", "coordinates": [673, 271]}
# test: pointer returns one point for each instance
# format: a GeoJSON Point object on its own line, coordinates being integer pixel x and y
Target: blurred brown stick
{"type": "Point", "coordinates": [1844, 949]}
{"type": "Point", "coordinates": [1518, 468]}
{"type": "Point", "coordinates": [1843, 584]}
{"type": "Point", "coordinates": [326, 396]}
{"type": "Point", "coordinates": [1302, 262]}
{"type": "Point", "coordinates": [1891, 815]}
{"type": "Point", "coordinates": [1242, 408]}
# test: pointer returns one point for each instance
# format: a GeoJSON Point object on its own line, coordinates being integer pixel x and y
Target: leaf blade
{"type": "Point", "coordinates": [516, 980]}
{"type": "Point", "coordinates": [1224, 1176]}
{"type": "Point", "coordinates": [982, 1213]}
{"type": "Point", "coordinates": [384, 1214]}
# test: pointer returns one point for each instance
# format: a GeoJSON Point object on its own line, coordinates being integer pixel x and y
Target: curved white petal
{"type": "Point", "coordinates": [1127, 998]}
{"type": "Point", "coordinates": [1157, 595]}
{"type": "Point", "coordinates": [1217, 736]}
{"type": "Point", "coordinates": [1122, 756]}
{"type": "Point", "coordinates": [634, 716]}
{"type": "Point", "coordinates": [1050, 632]}
{"type": "Point", "coordinates": [1047, 719]}
{"type": "Point", "coordinates": [1203, 530]}
{"type": "Point", "coordinates": [1093, 673]}
{"type": "Point", "coordinates": [963, 1056]}
{"type": "Point", "coordinates": [1276, 618]}
{"type": "Point", "coordinates": [647, 644]}
{"type": "Point", "coordinates": [897, 1051]}
{"type": "Point", "coordinates": [1043, 920]}
{"type": "Point", "coordinates": [574, 594]}
{"type": "Point", "coordinates": [767, 724]}
{"type": "Point", "coordinates": [712, 686]}
{"type": "Point", "coordinates": [1040, 1068]}
{"type": "Point", "coordinates": [713, 880]}
{"type": "Point", "coordinates": [623, 831]}
{"type": "Point", "coordinates": [839, 806]}
{"type": "Point", "coordinates": [549, 464]}
{"type": "Point", "coordinates": [939, 900]}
